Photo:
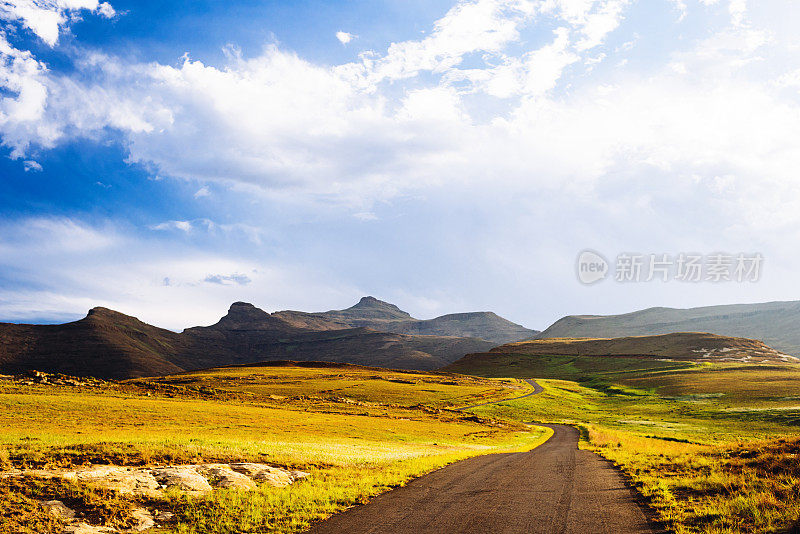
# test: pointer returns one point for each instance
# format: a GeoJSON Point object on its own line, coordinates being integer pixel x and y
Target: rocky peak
{"type": "Point", "coordinates": [106, 316]}
{"type": "Point", "coordinates": [370, 307]}
{"type": "Point", "coordinates": [245, 316]}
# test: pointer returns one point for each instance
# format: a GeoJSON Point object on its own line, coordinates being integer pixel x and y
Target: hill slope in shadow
{"type": "Point", "coordinates": [378, 315]}
{"type": "Point", "coordinates": [109, 344]}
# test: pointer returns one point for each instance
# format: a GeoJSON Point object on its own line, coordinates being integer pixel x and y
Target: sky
{"type": "Point", "coordinates": [168, 159]}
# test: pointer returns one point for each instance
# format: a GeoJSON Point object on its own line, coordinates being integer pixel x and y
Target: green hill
{"type": "Point", "coordinates": [775, 323]}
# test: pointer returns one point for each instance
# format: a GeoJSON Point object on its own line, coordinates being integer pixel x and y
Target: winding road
{"type": "Point", "coordinates": [554, 489]}
{"type": "Point", "coordinates": [536, 390]}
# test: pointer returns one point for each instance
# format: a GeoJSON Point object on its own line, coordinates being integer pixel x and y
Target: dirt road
{"type": "Point", "coordinates": [554, 488]}
{"type": "Point", "coordinates": [536, 390]}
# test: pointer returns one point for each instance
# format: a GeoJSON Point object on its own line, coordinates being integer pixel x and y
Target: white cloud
{"type": "Point", "coordinates": [738, 10]}
{"type": "Point", "coordinates": [431, 105]}
{"type": "Point", "coordinates": [45, 18]}
{"type": "Point", "coordinates": [345, 37]}
{"type": "Point", "coordinates": [60, 268]}
{"type": "Point", "coordinates": [470, 26]}
{"type": "Point", "coordinates": [51, 238]}
{"type": "Point", "coordinates": [105, 9]}
{"type": "Point", "coordinates": [31, 165]}
{"type": "Point", "coordinates": [183, 226]}
{"type": "Point", "coordinates": [278, 123]}
{"type": "Point", "coordinates": [202, 192]}
{"type": "Point", "coordinates": [225, 279]}
{"type": "Point", "coordinates": [208, 227]}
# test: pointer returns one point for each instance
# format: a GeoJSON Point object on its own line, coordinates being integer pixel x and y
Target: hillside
{"type": "Point", "coordinates": [108, 344]}
{"type": "Point", "coordinates": [683, 346]}
{"type": "Point", "coordinates": [582, 358]}
{"type": "Point", "coordinates": [372, 313]}
{"type": "Point", "coordinates": [775, 323]}
{"type": "Point", "coordinates": [105, 344]}
{"type": "Point", "coordinates": [248, 334]}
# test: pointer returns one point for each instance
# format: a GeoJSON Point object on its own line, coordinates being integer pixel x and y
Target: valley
{"type": "Point", "coordinates": [702, 427]}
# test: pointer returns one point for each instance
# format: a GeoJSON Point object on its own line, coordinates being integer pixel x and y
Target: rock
{"type": "Point", "coordinates": [165, 517]}
{"type": "Point", "coordinates": [183, 478]}
{"type": "Point", "coordinates": [59, 510]}
{"type": "Point", "coordinates": [221, 475]}
{"type": "Point", "coordinates": [121, 479]}
{"type": "Point", "coordinates": [86, 528]}
{"type": "Point", "coordinates": [151, 481]}
{"type": "Point", "coordinates": [11, 473]}
{"type": "Point", "coordinates": [297, 475]}
{"type": "Point", "coordinates": [144, 520]}
{"type": "Point", "coordinates": [272, 476]}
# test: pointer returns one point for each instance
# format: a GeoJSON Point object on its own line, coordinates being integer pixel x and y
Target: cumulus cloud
{"type": "Point", "coordinates": [32, 166]}
{"type": "Point", "coordinates": [107, 10]}
{"type": "Point", "coordinates": [276, 121]}
{"type": "Point", "coordinates": [472, 102]}
{"type": "Point", "coordinates": [45, 18]}
{"type": "Point", "coordinates": [345, 37]}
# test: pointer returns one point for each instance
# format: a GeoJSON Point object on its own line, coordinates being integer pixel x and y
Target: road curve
{"type": "Point", "coordinates": [536, 390]}
{"type": "Point", "coordinates": [553, 489]}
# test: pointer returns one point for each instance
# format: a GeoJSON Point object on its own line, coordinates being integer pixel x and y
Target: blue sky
{"type": "Point", "coordinates": [166, 160]}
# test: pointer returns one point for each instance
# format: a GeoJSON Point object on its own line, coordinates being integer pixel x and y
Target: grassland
{"type": "Point", "coordinates": [712, 447]}
{"type": "Point", "coordinates": [358, 431]}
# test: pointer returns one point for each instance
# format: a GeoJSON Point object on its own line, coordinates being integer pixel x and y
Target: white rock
{"type": "Point", "coordinates": [59, 509]}
{"type": "Point", "coordinates": [297, 475]}
{"type": "Point", "coordinates": [269, 475]}
{"type": "Point", "coordinates": [144, 520]}
{"type": "Point", "coordinates": [221, 475]}
{"type": "Point", "coordinates": [86, 528]}
{"type": "Point", "coordinates": [165, 517]}
{"type": "Point", "coordinates": [122, 479]}
{"type": "Point", "coordinates": [184, 478]}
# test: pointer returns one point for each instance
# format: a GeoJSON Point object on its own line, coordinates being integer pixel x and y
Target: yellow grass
{"type": "Point", "coordinates": [358, 432]}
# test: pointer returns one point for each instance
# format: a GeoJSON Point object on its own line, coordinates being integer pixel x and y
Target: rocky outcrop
{"type": "Point", "coordinates": [151, 482]}
{"type": "Point", "coordinates": [194, 479]}
{"type": "Point", "coordinates": [143, 520]}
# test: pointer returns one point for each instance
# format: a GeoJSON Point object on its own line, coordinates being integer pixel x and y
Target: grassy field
{"type": "Point", "coordinates": [713, 447]}
{"type": "Point", "coordinates": [358, 431]}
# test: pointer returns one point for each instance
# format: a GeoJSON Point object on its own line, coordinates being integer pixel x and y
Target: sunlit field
{"type": "Point", "coordinates": [712, 448]}
{"type": "Point", "coordinates": [356, 431]}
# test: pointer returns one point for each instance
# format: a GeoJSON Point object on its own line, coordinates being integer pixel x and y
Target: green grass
{"type": "Point", "coordinates": [713, 447]}
{"type": "Point", "coordinates": [577, 368]}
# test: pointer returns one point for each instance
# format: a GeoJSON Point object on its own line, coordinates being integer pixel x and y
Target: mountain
{"type": "Point", "coordinates": [248, 334]}
{"type": "Point", "coordinates": [570, 358]}
{"type": "Point", "coordinates": [372, 313]}
{"type": "Point", "coordinates": [367, 312]}
{"type": "Point", "coordinates": [108, 344]}
{"type": "Point", "coordinates": [775, 323]}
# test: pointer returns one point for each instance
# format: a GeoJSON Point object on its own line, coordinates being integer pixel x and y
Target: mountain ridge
{"type": "Point", "coordinates": [373, 313]}
{"type": "Point", "coordinates": [110, 344]}
{"type": "Point", "coordinates": [774, 322]}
